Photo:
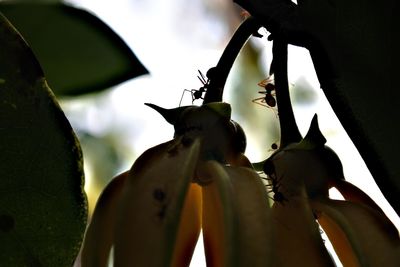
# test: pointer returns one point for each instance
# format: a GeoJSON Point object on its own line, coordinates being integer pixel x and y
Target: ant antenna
{"type": "Point", "coordinates": [202, 78]}
{"type": "Point", "coordinates": [183, 93]}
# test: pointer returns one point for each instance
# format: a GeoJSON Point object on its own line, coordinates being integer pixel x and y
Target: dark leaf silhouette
{"type": "Point", "coordinates": [78, 52]}
{"type": "Point", "coordinates": [42, 203]}
{"type": "Point", "coordinates": [354, 49]}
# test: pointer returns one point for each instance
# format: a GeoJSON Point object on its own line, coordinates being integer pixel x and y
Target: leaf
{"type": "Point", "coordinates": [78, 52]}
{"type": "Point", "coordinates": [358, 74]}
{"type": "Point", "coordinates": [42, 203]}
{"type": "Point", "coordinates": [353, 46]}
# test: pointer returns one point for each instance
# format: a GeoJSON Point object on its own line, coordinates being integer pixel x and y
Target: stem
{"type": "Point", "coordinates": [218, 75]}
{"type": "Point", "coordinates": [282, 18]}
{"type": "Point", "coordinates": [289, 131]}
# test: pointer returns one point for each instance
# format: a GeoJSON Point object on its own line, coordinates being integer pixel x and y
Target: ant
{"type": "Point", "coordinates": [197, 94]}
{"type": "Point", "coordinates": [161, 198]}
{"type": "Point", "coordinates": [278, 196]}
{"type": "Point", "coordinates": [159, 195]}
{"type": "Point", "coordinates": [274, 146]}
{"type": "Point", "coordinates": [269, 98]}
{"type": "Point", "coordinates": [269, 170]}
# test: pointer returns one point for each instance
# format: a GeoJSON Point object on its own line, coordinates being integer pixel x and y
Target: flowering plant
{"type": "Point", "coordinates": [201, 179]}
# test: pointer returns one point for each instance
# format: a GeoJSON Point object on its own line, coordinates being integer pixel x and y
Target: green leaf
{"type": "Point", "coordinates": [78, 52]}
{"type": "Point", "coordinates": [43, 208]}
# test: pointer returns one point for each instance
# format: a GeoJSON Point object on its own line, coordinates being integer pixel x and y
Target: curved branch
{"type": "Point", "coordinates": [289, 131]}
{"type": "Point", "coordinates": [279, 17]}
{"type": "Point", "coordinates": [218, 75]}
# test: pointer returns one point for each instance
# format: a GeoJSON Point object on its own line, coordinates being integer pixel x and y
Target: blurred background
{"type": "Point", "coordinates": [174, 39]}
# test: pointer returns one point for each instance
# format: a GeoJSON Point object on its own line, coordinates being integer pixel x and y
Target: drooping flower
{"type": "Point", "coordinates": [301, 175]}
{"type": "Point", "coordinates": [153, 213]}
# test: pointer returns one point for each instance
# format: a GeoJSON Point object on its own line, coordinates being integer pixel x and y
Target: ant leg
{"type": "Point", "coordinates": [183, 93]}
{"type": "Point", "coordinates": [266, 178]}
{"type": "Point", "coordinates": [260, 102]}
{"type": "Point", "coordinates": [193, 91]}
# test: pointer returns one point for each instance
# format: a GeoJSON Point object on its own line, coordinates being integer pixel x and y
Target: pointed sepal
{"type": "Point", "coordinates": [170, 115]}
{"type": "Point", "coordinates": [314, 137]}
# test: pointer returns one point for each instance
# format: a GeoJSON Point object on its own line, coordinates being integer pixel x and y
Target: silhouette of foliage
{"type": "Point", "coordinates": [42, 202]}
{"type": "Point", "coordinates": [78, 52]}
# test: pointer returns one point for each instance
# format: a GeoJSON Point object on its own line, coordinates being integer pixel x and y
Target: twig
{"type": "Point", "coordinates": [219, 74]}
{"type": "Point", "coordinates": [289, 131]}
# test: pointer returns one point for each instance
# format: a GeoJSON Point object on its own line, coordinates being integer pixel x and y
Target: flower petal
{"type": "Point", "coordinates": [189, 227]}
{"type": "Point", "coordinates": [151, 204]}
{"type": "Point", "coordinates": [373, 238]}
{"type": "Point", "coordinates": [253, 236]}
{"type": "Point", "coordinates": [297, 241]}
{"type": "Point", "coordinates": [297, 175]}
{"type": "Point", "coordinates": [339, 240]}
{"type": "Point", "coordinates": [100, 233]}
{"type": "Point", "coordinates": [352, 193]}
{"type": "Point", "coordinates": [218, 216]}
{"type": "Point", "coordinates": [240, 160]}
{"type": "Point", "coordinates": [236, 217]}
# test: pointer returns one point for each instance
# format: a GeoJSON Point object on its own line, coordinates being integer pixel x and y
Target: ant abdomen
{"type": "Point", "coordinates": [269, 170]}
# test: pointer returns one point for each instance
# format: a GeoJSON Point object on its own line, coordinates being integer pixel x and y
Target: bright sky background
{"type": "Point", "coordinates": [174, 39]}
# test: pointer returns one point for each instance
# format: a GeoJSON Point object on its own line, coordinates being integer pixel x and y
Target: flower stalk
{"type": "Point", "coordinates": [289, 131]}
{"type": "Point", "coordinates": [218, 74]}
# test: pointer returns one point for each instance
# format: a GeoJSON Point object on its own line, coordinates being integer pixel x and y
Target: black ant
{"type": "Point", "coordinates": [274, 146]}
{"type": "Point", "coordinates": [269, 170]}
{"type": "Point", "coordinates": [268, 100]}
{"type": "Point", "coordinates": [197, 93]}
{"type": "Point", "coordinates": [278, 196]}
{"type": "Point", "coordinates": [159, 195]}
{"type": "Point", "coordinates": [161, 198]}
{"type": "Point", "coordinates": [162, 212]}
